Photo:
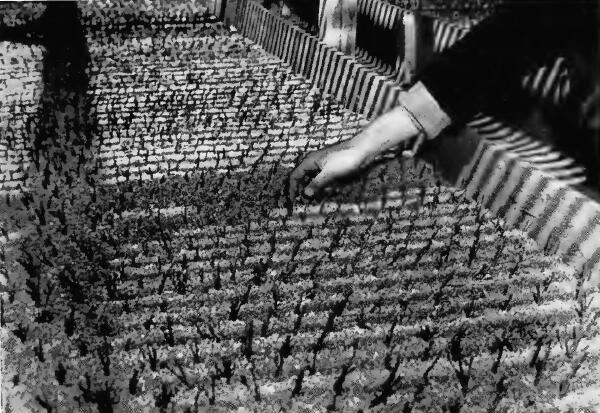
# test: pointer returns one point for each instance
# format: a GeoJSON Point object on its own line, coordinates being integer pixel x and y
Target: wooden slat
{"type": "Point", "coordinates": [337, 24]}
{"type": "Point", "coordinates": [418, 42]}
{"type": "Point", "coordinates": [219, 8]}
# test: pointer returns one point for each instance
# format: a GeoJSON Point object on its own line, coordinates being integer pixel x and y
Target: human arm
{"type": "Point", "coordinates": [344, 158]}
{"type": "Point", "coordinates": [462, 80]}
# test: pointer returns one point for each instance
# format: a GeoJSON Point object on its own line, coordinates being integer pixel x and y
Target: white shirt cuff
{"type": "Point", "coordinates": [424, 111]}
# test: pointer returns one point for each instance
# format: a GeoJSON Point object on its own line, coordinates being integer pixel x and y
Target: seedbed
{"type": "Point", "coordinates": [164, 268]}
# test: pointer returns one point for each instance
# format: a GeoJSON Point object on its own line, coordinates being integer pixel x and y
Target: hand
{"type": "Point", "coordinates": [331, 163]}
{"type": "Point", "coordinates": [345, 158]}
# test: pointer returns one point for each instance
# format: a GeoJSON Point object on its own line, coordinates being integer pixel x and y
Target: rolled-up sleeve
{"type": "Point", "coordinates": [424, 110]}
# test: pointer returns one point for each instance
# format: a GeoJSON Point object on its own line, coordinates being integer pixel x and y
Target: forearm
{"type": "Point", "coordinates": [385, 132]}
{"type": "Point", "coordinates": [417, 113]}
{"type": "Point", "coordinates": [467, 76]}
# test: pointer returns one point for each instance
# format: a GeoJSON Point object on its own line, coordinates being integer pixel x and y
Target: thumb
{"type": "Point", "coordinates": [318, 182]}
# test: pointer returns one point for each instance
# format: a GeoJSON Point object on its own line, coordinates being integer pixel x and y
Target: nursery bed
{"type": "Point", "coordinates": [158, 265]}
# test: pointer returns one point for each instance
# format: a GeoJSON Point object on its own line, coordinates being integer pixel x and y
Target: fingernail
{"type": "Point", "coordinates": [408, 154]}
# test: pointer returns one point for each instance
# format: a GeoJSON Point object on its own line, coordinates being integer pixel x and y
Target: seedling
{"type": "Point", "coordinates": [134, 386]}
{"type": "Point", "coordinates": [237, 303]}
{"type": "Point", "coordinates": [336, 311]}
{"type": "Point", "coordinates": [499, 345]}
{"type": "Point", "coordinates": [60, 373]}
{"type": "Point", "coordinates": [45, 403]}
{"type": "Point", "coordinates": [168, 332]}
{"type": "Point", "coordinates": [421, 253]}
{"type": "Point", "coordinates": [297, 390]}
{"type": "Point", "coordinates": [166, 394]}
{"type": "Point", "coordinates": [393, 380]}
{"type": "Point", "coordinates": [338, 385]}
{"type": "Point", "coordinates": [420, 388]}
{"type": "Point", "coordinates": [463, 369]}
{"type": "Point", "coordinates": [152, 357]}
